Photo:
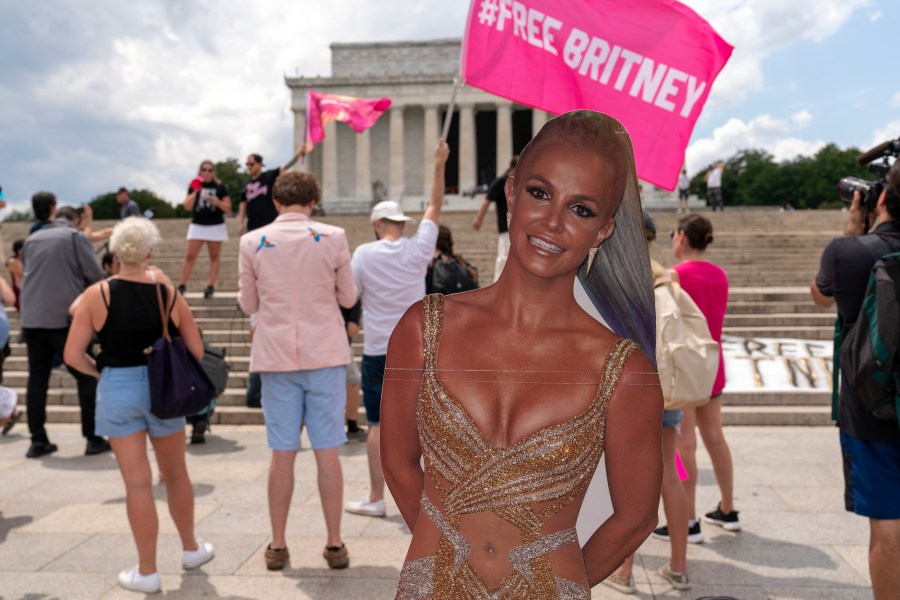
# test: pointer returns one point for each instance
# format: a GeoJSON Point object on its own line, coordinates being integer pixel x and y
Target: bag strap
{"type": "Point", "coordinates": [164, 312]}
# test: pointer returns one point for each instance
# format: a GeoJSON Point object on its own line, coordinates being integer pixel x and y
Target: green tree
{"type": "Point", "coordinates": [229, 173]}
{"type": "Point", "coordinates": [106, 207]}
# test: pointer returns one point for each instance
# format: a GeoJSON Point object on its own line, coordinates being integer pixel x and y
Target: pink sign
{"type": "Point", "coordinates": [648, 63]}
{"type": "Point", "coordinates": [358, 113]}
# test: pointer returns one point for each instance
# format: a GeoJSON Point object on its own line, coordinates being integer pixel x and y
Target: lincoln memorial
{"type": "Point", "coordinates": [395, 155]}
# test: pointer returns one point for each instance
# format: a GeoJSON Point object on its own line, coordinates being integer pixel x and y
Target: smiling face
{"type": "Point", "coordinates": [563, 200]}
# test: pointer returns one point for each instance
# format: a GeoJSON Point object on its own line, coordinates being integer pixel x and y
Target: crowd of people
{"type": "Point", "coordinates": [466, 424]}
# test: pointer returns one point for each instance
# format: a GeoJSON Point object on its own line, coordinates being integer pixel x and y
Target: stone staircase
{"type": "Point", "coordinates": [770, 258]}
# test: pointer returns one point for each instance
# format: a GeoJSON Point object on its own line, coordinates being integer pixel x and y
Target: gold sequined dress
{"type": "Point", "coordinates": [548, 468]}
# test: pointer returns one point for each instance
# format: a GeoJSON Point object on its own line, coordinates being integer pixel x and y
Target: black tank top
{"type": "Point", "coordinates": [133, 323]}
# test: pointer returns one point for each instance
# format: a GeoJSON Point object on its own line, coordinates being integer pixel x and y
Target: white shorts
{"type": "Point", "coordinates": [208, 233]}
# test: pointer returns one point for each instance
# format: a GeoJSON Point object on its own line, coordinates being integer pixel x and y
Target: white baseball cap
{"type": "Point", "coordinates": [390, 210]}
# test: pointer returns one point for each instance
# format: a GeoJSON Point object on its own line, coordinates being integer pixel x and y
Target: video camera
{"type": "Point", "coordinates": [870, 190]}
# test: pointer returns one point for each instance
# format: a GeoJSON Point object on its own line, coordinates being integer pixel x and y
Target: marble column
{"type": "Point", "coordinates": [363, 167]}
{"type": "Point", "coordinates": [538, 118]}
{"type": "Point", "coordinates": [466, 150]}
{"type": "Point", "coordinates": [396, 153]}
{"type": "Point", "coordinates": [431, 138]}
{"type": "Point", "coordinates": [504, 137]}
{"type": "Point", "coordinates": [299, 128]}
{"type": "Point", "coordinates": [329, 163]}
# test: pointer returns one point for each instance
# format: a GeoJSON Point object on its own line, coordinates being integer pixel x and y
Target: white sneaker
{"type": "Point", "coordinates": [191, 559]}
{"type": "Point", "coordinates": [364, 506]}
{"type": "Point", "coordinates": [134, 581]}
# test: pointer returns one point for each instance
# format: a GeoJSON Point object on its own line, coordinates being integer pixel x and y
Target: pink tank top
{"type": "Point", "coordinates": [707, 285]}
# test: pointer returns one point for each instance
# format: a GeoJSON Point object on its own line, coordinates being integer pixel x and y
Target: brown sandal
{"type": "Point", "coordinates": [276, 558]}
{"type": "Point", "coordinates": [338, 558]}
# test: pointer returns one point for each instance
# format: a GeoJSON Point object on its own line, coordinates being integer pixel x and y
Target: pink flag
{"type": "Point", "coordinates": [648, 63]}
{"type": "Point", "coordinates": [358, 113]}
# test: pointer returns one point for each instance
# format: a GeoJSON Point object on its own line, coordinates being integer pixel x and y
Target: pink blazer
{"type": "Point", "coordinates": [293, 274]}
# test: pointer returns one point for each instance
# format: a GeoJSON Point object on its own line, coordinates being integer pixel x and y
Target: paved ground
{"type": "Point", "coordinates": [64, 534]}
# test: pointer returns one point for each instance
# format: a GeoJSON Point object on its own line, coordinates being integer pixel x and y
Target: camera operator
{"type": "Point", "coordinates": [870, 447]}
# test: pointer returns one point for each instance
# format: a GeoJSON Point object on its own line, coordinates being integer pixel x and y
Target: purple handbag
{"type": "Point", "coordinates": [179, 386]}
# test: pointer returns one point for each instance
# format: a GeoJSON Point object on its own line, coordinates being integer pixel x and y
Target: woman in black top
{"type": "Point", "coordinates": [124, 312]}
{"type": "Point", "coordinates": [209, 202]}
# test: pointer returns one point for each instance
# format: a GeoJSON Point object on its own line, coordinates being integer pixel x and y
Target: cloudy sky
{"type": "Point", "coordinates": [106, 93]}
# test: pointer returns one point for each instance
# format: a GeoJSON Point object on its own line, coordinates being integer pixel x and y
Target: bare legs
{"type": "Point", "coordinates": [884, 556]}
{"type": "Point", "coordinates": [281, 489]}
{"type": "Point", "coordinates": [331, 492]}
{"type": "Point", "coordinates": [376, 475]}
{"type": "Point", "coordinates": [709, 419]}
{"type": "Point", "coordinates": [675, 503]}
{"type": "Point", "coordinates": [215, 262]}
{"type": "Point", "coordinates": [192, 251]}
{"type": "Point", "coordinates": [131, 455]}
{"type": "Point", "coordinates": [352, 407]}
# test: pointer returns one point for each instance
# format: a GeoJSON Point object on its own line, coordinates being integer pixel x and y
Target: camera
{"type": "Point", "coordinates": [870, 190]}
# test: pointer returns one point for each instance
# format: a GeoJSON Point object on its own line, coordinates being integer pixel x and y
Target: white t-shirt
{"type": "Point", "coordinates": [684, 182]}
{"type": "Point", "coordinates": [390, 277]}
{"type": "Point", "coordinates": [715, 178]}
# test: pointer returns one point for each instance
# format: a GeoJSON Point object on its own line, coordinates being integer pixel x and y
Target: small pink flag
{"type": "Point", "coordinates": [358, 113]}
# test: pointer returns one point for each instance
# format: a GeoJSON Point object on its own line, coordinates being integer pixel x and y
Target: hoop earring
{"type": "Point", "coordinates": [508, 218]}
{"type": "Point", "coordinates": [592, 254]}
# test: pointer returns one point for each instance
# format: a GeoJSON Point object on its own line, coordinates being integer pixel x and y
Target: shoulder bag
{"type": "Point", "coordinates": [179, 386]}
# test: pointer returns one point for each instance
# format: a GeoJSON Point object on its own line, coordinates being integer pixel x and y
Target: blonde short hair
{"type": "Point", "coordinates": [133, 239]}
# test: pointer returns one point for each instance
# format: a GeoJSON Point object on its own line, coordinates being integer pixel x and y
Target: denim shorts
{"type": "Point", "coordinates": [372, 383]}
{"type": "Point", "coordinates": [871, 477]}
{"type": "Point", "coordinates": [353, 375]}
{"type": "Point", "coordinates": [315, 397]}
{"type": "Point", "coordinates": [123, 405]}
{"type": "Point", "coordinates": [672, 418]}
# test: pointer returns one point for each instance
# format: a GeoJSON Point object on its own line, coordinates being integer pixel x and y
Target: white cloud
{"type": "Point", "coordinates": [891, 131]}
{"type": "Point", "coordinates": [171, 83]}
{"type": "Point", "coordinates": [802, 118]}
{"type": "Point", "coordinates": [874, 16]}
{"type": "Point", "coordinates": [895, 101]}
{"type": "Point", "coordinates": [761, 28]}
{"type": "Point", "coordinates": [761, 132]}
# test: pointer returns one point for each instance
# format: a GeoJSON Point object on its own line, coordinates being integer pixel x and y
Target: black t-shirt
{"type": "Point", "coordinates": [205, 213]}
{"type": "Point", "coordinates": [133, 323]}
{"type": "Point", "coordinates": [497, 195]}
{"type": "Point", "coordinates": [844, 275]}
{"type": "Point", "coordinates": [260, 209]}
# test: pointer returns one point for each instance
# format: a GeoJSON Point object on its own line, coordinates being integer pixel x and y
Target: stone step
{"type": "Point", "coordinates": [777, 307]}
{"type": "Point", "coordinates": [780, 320]}
{"type": "Point", "coordinates": [777, 415]}
{"type": "Point", "coordinates": [800, 332]}
{"type": "Point", "coordinates": [761, 399]}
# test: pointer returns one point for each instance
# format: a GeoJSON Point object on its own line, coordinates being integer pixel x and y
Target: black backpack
{"type": "Point", "coordinates": [452, 274]}
{"type": "Point", "coordinates": [867, 354]}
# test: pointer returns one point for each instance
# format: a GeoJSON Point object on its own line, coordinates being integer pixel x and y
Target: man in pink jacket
{"type": "Point", "coordinates": [294, 273]}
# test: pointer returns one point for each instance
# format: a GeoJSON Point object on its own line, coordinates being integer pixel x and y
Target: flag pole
{"type": "Point", "coordinates": [305, 127]}
{"type": "Point", "coordinates": [449, 116]}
